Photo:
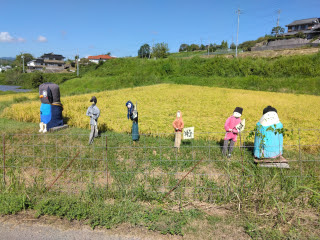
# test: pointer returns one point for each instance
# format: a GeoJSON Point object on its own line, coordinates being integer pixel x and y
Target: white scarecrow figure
{"type": "Point", "coordinates": [268, 142]}
{"type": "Point", "coordinates": [93, 112]}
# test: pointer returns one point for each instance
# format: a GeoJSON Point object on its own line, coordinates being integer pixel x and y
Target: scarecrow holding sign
{"type": "Point", "coordinates": [232, 126]}
{"type": "Point", "coordinates": [133, 115]}
{"type": "Point", "coordinates": [93, 112]}
{"type": "Point", "coordinates": [178, 126]}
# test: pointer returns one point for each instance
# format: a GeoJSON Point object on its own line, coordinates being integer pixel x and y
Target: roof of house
{"type": "Point", "coordinates": [99, 57]}
{"type": "Point", "coordinates": [303, 21]}
{"type": "Point", "coordinates": [52, 55]}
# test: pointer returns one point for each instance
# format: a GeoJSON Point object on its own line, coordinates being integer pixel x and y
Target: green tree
{"type": "Point", "coordinates": [213, 47]}
{"type": "Point", "coordinates": [232, 46]}
{"type": "Point", "coordinates": [160, 50]}
{"type": "Point", "coordinates": [300, 35]}
{"type": "Point", "coordinates": [27, 58]}
{"type": "Point", "coordinates": [84, 61]}
{"type": "Point", "coordinates": [183, 47]}
{"type": "Point", "coordinates": [202, 47]}
{"type": "Point", "coordinates": [144, 51]}
{"type": "Point", "coordinates": [194, 47]}
{"type": "Point", "coordinates": [224, 45]}
{"type": "Point", "coordinates": [277, 31]}
{"type": "Point", "coordinates": [37, 79]}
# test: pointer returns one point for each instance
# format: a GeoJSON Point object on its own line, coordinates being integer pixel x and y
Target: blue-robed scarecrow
{"type": "Point", "coordinates": [268, 142]}
{"type": "Point", "coordinates": [51, 107]}
{"type": "Point", "coordinates": [133, 115]}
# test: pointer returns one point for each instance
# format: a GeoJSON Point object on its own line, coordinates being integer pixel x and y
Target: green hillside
{"type": "Point", "coordinates": [293, 74]}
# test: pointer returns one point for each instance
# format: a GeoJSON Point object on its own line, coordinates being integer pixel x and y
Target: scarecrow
{"type": "Point", "coordinates": [268, 141]}
{"type": "Point", "coordinates": [233, 126]}
{"type": "Point", "coordinates": [93, 112]}
{"type": "Point", "coordinates": [133, 115]}
{"type": "Point", "coordinates": [51, 107]}
{"type": "Point", "coordinates": [178, 126]}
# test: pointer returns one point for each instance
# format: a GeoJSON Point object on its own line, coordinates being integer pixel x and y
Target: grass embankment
{"type": "Point", "coordinates": [293, 74]}
{"type": "Point", "coordinates": [34, 79]}
{"type": "Point", "coordinates": [204, 108]}
{"type": "Point", "coordinates": [264, 203]}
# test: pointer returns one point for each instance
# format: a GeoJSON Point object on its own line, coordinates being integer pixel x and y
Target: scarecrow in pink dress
{"type": "Point", "coordinates": [231, 131]}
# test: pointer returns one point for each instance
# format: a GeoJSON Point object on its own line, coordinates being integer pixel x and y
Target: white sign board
{"type": "Point", "coordinates": [241, 125]}
{"type": "Point", "coordinates": [188, 133]}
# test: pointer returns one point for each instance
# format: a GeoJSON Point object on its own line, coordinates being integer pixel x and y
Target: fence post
{"type": "Point", "coordinates": [4, 159]}
{"type": "Point", "coordinates": [107, 162]}
{"type": "Point", "coordinates": [300, 153]}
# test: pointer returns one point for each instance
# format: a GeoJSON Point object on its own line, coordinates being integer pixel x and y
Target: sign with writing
{"type": "Point", "coordinates": [188, 133]}
{"type": "Point", "coordinates": [241, 125]}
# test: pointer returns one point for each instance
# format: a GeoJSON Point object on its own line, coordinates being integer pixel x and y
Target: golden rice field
{"type": "Point", "coordinates": [11, 97]}
{"type": "Point", "coordinates": [205, 108]}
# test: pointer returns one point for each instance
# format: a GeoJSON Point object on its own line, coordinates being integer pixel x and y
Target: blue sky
{"type": "Point", "coordinates": [122, 26]}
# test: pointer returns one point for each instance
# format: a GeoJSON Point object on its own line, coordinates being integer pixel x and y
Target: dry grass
{"type": "Point", "coordinates": [270, 53]}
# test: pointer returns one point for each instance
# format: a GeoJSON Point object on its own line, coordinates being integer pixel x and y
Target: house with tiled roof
{"type": "Point", "coordinates": [98, 58]}
{"type": "Point", "coordinates": [309, 26]}
{"type": "Point", "coordinates": [48, 62]}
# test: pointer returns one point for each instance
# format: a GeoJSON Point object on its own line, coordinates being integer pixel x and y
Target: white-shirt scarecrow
{"type": "Point", "coordinates": [93, 112]}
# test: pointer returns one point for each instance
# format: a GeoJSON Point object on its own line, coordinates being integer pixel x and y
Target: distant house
{"type": "Point", "coordinates": [97, 59]}
{"type": "Point", "coordinates": [49, 61]}
{"type": "Point", "coordinates": [5, 68]}
{"type": "Point", "coordinates": [36, 64]}
{"type": "Point", "coordinates": [310, 27]}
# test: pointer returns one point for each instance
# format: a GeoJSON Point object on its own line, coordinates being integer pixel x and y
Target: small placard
{"type": "Point", "coordinates": [188, 133]}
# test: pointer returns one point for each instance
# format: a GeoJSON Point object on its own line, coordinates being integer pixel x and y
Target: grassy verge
{"type": "Point", "coordinates": [267, 203]}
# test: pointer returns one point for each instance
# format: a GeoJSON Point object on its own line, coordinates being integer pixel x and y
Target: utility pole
{"type": "Point", "coordinates": [279, 11]}
{"type": "Point", "coordinates": [278, 30]}
{"type": "Point", "coordinates": [22, 63]}
{"type": "Point", "coordinates": [152, 46]}
{"type": "Point", "coordinates": [238, 12]}
{"type": "Point", "coordinates": [77, 63]}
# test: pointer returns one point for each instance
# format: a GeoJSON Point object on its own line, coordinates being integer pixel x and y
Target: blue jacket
{"type": "Point", "coordinates": [268, 143]}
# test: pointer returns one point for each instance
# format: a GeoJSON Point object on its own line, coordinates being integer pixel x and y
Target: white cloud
{"type": "Point", "coordinates": [20, 39]}
{"type": "Point", "coordinates": [42, 39]}
{"type": "Point", "coordinates": [6, 37]}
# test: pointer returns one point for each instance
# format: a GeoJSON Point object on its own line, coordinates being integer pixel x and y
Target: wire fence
{"type": "Point", "coordinates": [65, 162]}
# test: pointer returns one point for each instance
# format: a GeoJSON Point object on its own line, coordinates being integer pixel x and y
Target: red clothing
{"type": "Point", "coordinates": [178, 124]}
{"type": "Point", "coordinates": [231, 123]}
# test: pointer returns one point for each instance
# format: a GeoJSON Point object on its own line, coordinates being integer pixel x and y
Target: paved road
{"type": "Point", "coordinates": [9, 231]}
